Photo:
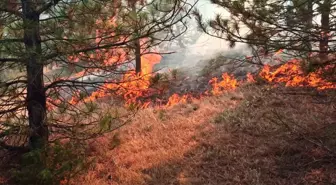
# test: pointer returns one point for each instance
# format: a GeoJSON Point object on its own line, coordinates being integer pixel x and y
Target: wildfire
{"type": "Point", "coordinates": [250, 78]}
{"type": "Point", "coordinates": [135, 89]}
{"type": "Point", "coordinates": [175, 99]}
{"type": "Point", "coordinates": [132, 86]}
{"type": "Point", "coordinates": [228, 82]}
{"type": "Point", "coordinates": [148, 61]}
{"type": "Point", "coordinates": [292, 75]}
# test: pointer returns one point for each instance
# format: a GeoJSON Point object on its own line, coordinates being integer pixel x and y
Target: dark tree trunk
{"type": "Point", "coordinates": [307, 39]}
{"type": "Point", "coordinates": [36, 98]}
{"type": "Point", "coordinates": [289, 16]}
{"type": "Point", "coordinates": [325, 20]}
{"type": "Point", "coordinates": [309, 21]}
{"type": "Point", "coordinates": [137, 56]}
{"type": "Point", "coordinates": [137, 45]}
{"type": "Point", "coordinates": [303, 15]}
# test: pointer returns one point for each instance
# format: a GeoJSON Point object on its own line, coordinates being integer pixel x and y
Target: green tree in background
{"type": "Point", "coordinates": [302, 28]}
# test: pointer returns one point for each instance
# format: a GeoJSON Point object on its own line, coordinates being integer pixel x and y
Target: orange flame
{"type": "Point", "coordinates": [250, 78]}
{"type": "Point", "coordinates": [148, 61]}
{"type": "Point", "coordinates": [175, 99]}
{"type": "Point", "coordinates": [228, 82]}
{"type": "Point", "coordinates": [132, 86]}
{"type": "Point", "coordinates": [292, 75]}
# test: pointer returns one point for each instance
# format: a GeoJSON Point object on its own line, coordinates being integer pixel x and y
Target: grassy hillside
{"type": "Point", "coordinates": [225, 131]}
{"type": "Point", "coordinates": [255, 135]}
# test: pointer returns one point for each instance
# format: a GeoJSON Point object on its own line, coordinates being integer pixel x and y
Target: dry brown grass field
{"type": "Point", "coordinates": [255, 135]}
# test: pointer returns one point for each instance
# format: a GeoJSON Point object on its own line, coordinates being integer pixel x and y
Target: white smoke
{"type": "Point", "coordinates": [205, 47]}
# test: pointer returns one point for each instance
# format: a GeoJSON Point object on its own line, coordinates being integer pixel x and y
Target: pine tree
{"type": "Point", "coordinates": [290, 25]}
{"type": "Point", "coordinates": [37, 35]}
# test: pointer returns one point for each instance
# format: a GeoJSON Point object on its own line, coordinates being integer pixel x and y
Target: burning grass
{"type": "Point", "coordinates": [292, 75]}
{"type": "Point", "coordinates": [141, 90]}
{"type": "Point", "coordinates": [138, 89]}
{"type": "Point", "coordinates": [264, 136]}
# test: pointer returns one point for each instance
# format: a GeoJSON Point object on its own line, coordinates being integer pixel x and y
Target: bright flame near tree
{"type": "Point", "coordinates": [132, 86]}
{"type": "Point", "coordinates": [228, 82]}
{"type": "Point", "coordinates": [292, 75]}
{"type": "Point", "coordinates": [148, 61]}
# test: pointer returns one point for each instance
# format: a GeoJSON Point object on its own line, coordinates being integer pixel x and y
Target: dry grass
{"type": "Point", "coordinates": [154, 139]}
{"type": "Point", "coordinates": [264, 136]}
{"type": "Point", "coordinates": [256, 135]}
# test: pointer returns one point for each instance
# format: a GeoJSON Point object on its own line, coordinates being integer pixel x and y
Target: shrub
{"type": "Point", "coordinates": [56, 165]}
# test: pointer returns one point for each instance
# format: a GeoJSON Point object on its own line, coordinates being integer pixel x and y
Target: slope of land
{"type": "Point", "coordinates": [255, 135]}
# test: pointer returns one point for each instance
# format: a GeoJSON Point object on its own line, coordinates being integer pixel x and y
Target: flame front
{"type": "Point", "coordinates": [135, 89]}
{"type": "Point", "coordinates": [292, 75]}
{"type": "Point", "coordinates": [227, 83]}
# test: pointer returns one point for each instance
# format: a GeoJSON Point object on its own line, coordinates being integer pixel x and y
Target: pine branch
{"type": "Point", "coordinates": [5, 41]}
{"type": "Point", "coordinates": [13, 148]}
{"type": "Point", "coordinates": [48, 6]}
{"type": "Point", "coordinates": [12, 12]}
{"type": "Point", "coordinates": [10, 60]}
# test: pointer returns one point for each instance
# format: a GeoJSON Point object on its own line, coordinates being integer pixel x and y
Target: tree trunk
{"type": "Point", "coordinates": [324, 42]}
{"type": "Point", "coordinates": [137, 45]}
{"type": "Point", "coordinates": [36, 97]}
{"type": "Point", "coordinates": [307, 39]}
{"type": "Point", "coordinates": [137, 56]}
{"type": "Point", "coordinates": [309, 22]}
